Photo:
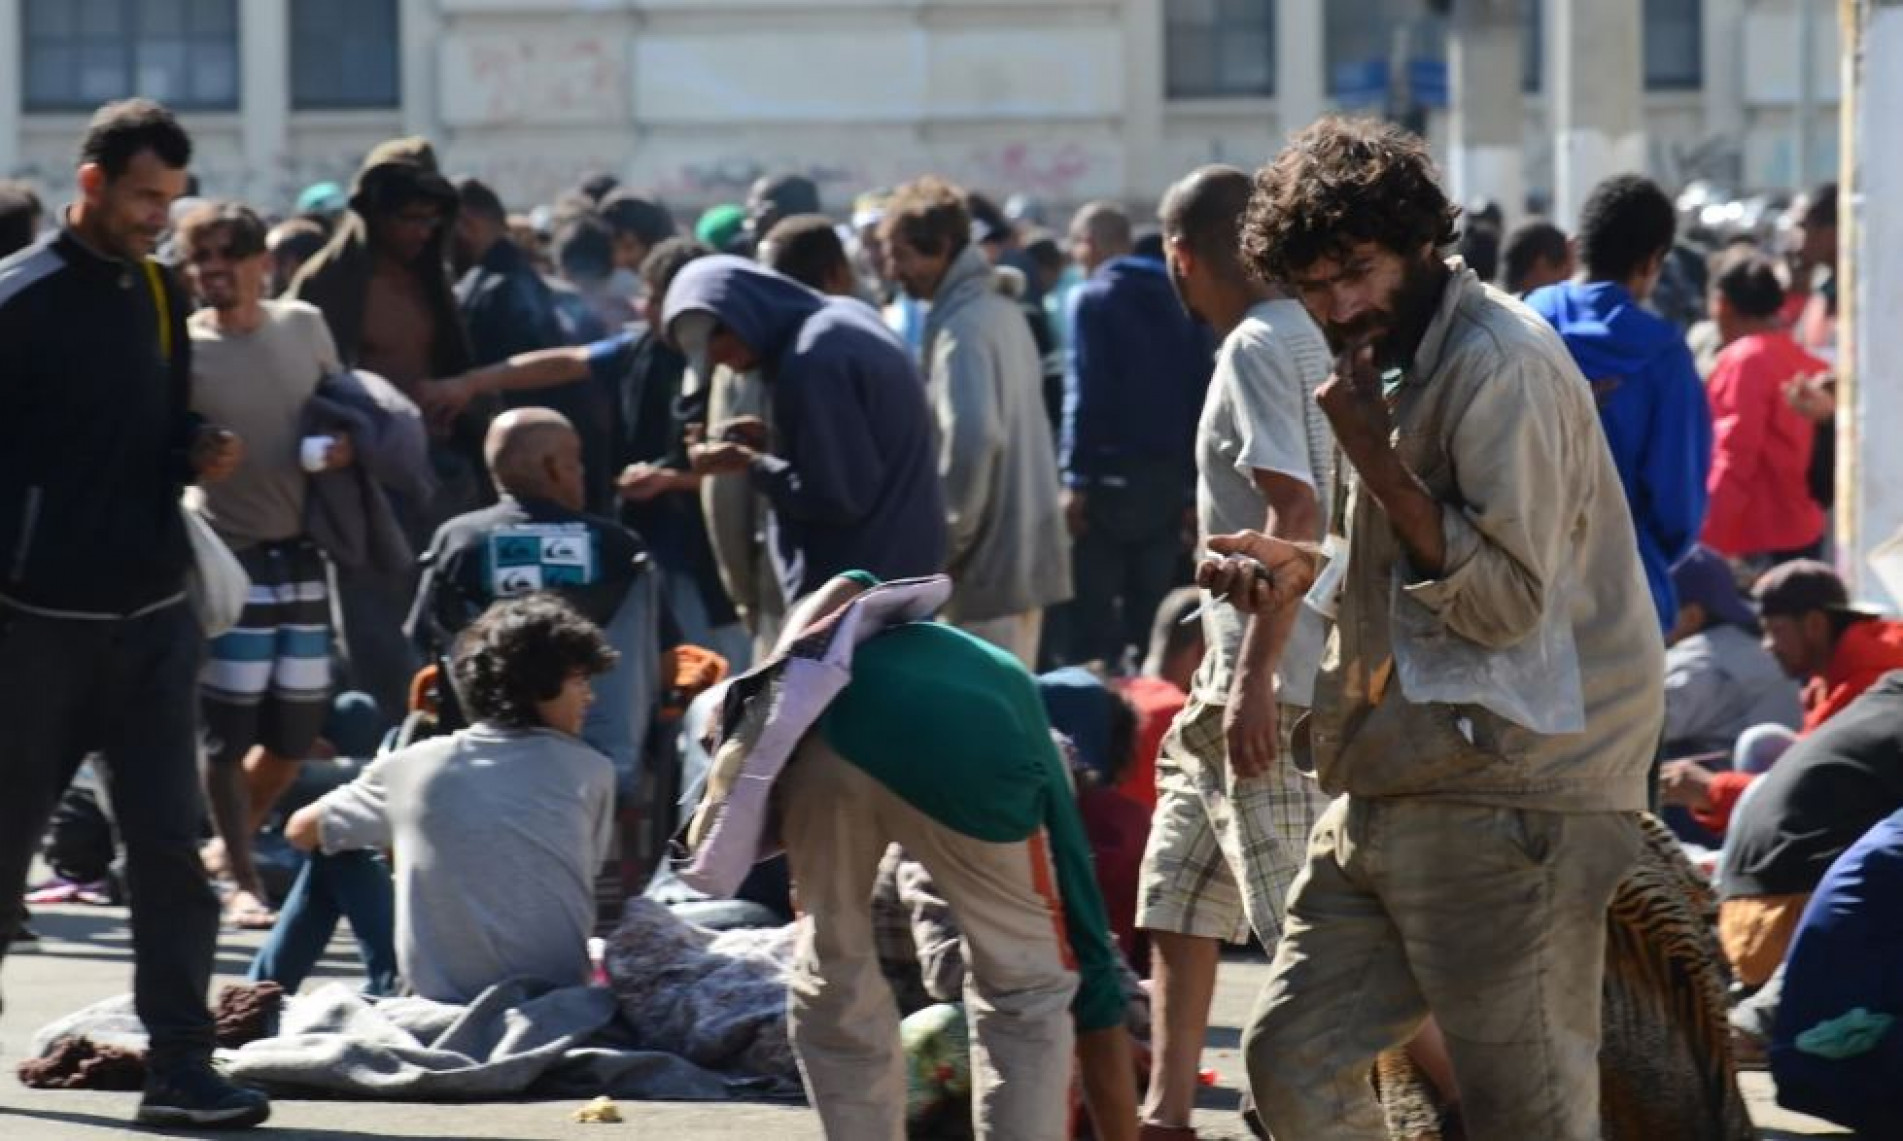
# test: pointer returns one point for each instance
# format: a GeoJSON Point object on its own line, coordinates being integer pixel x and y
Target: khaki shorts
{"type": "Point", "coordinates": [1223, 852]}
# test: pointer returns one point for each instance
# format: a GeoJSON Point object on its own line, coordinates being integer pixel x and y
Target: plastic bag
{"type": "Point", "coordinates": [217, 584]}
{"type": "Point", "coordinates": [1534, 684]}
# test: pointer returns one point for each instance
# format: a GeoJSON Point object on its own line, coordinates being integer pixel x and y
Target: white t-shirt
{"type": "Point", "coordinates": [1260, 415]}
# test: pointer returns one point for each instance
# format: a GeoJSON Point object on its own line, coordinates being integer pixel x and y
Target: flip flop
{"type": "Point", "coordinates": [255, 917]}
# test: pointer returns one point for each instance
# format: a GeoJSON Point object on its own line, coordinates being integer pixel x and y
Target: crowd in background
{"type": "Point", "coordinates": [508, 477]}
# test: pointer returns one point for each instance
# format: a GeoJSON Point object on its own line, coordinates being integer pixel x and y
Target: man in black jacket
{"type": "Point", "coordinates": [509, 310]}
{"type": "Point", "coordinates": [98, 648]}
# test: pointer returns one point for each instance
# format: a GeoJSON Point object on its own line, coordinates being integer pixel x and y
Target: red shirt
{"type": "Point", "coordinates": [1866, 652]}
{"type": "Point", "coordinates": [1119, 830]}
{"type": "Point", "coordinates": [1761, 450]}
{"type": "Point", "coordinates": [1157, 703]}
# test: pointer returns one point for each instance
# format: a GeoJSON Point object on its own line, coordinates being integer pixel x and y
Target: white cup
{"type": "Point", "coordinates": [314, 452]}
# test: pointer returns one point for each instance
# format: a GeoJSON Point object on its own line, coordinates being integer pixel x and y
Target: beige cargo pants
{"type": "Point", "coordinates": [1492, 919]}
{"type": "Point", "coordinates": [836, 822]}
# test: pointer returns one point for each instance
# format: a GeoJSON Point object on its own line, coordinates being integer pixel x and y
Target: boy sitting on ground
{"type": "Point", "coordinates": [498, 829]}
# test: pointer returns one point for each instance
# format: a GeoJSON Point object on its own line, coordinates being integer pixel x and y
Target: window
{"type": "Point", "coordinates": [1365, 38]}
{"type": "Point", "coordinates": [81, 53]}
{"type": "Point", "coordinates": [1674, 45]}
{"type": "Point", "coordinates": [1219, 49]}
{"type": "Point", "coordinates": [343, 54]}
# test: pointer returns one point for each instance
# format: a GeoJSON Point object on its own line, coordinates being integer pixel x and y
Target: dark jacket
{"type": "Point", "coordinates": [348, 512]}
{"type": "Point", "coordinates": [1656, 418]}
{"type": "Point", "coordinates": [853, 480]}
{"type": "Point", "coordinates": [337, 278]}
{"type": "Point", "coordinates": [643, 373]}
{"type": "Point", "coordinates": [1137, 372]}
{"type": "Point", "coordinates": [95, 433]}
{"type": "Point", "coordinates": [1830, 789]}
{"type": "Point", "coordinates": [508, 309]}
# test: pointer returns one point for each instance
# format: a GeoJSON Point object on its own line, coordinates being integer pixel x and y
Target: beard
{"type": "Point", "coordinates": [1394, 328]}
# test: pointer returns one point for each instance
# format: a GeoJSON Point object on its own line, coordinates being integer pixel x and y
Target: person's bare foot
{"type": "Point", "coordinates": [247, 911]}
{"type": "Point", "coordinates": [212, 855]}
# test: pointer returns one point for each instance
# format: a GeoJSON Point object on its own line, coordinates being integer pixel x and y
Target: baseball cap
{"type": "Point", "coordinates": [1703, 577]}
{"type": "Point", "coordinates": [1803, 586]}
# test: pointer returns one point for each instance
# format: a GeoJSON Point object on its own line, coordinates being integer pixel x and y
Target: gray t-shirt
{"type": "Point", "coordinates": [498, 835]}
{"type": "Point", "coordinates": [256, 384]}
{"type": "Point", "coordinates": [1260, 415]}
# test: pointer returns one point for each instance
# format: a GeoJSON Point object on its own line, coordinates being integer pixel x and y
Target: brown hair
{"type": "Point", "coordinates": [239, 223]}
{"type": "Point", "coordinates": [930, 214]}
{"type": "Point", "coordinates": [1338, 183]}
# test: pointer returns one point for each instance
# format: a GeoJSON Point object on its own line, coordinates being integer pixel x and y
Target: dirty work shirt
{"type": "Point", "coordinates": [1260, 415]}
{"type": "Point", "coordinates": [955, 727]}
{"type": "Point", "coordinates": [1494, 418]}
{"type": "Point", "coordinates": [256, 384]}
{"type": "Point", "coordinates": [497, 835]}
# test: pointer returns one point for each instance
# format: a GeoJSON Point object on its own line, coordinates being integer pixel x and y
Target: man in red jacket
{"type": "Point", "coordinates": [1836, 649]}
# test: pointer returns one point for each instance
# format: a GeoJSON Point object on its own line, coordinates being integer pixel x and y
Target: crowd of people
{"type": "Point", "coordinates": [1321, 567]}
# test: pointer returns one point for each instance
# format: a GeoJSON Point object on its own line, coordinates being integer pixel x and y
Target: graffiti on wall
{"type": "Point", "coordinates": [494, 80]}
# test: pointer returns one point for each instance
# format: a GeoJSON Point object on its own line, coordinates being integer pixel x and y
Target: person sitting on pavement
{"type": "Point", "coordinates": [1836, 649]}
{"type": "Point", "coordinates": [1720, 680]}
{"type": "Point", "coordinates": [1824, 794]}
{"type": "Point", "coordinates": [536, 537]}
{"type": "Point", "coordinates": [497, 830]}
{"type": "Point", "coordinates": [1836, 1049]}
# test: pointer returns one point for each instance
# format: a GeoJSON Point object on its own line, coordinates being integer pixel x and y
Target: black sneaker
{"type": "Point", "coordinates": [199, 1096]}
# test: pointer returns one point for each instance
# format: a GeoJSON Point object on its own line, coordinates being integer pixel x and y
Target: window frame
{"type": "Point", "coordinates": [1214, 31]}
{"type": "Point", "coordinates": [1689, 80]}
{"type": "Point", "coordinates": [329, 102]}
{"type": "Point", "coordinates": [128, 43]}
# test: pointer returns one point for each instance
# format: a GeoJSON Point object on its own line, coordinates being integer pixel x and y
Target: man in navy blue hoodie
{"type": "Point", "coordinates": [851, 470]}
{"type": "Point", "coordinates": [1133, 388]}
{"type": "Point", "coordinates": [1651, 401]}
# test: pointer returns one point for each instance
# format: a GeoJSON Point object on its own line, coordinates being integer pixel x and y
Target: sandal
{"type": "Point", "coordinates": [245, 912]}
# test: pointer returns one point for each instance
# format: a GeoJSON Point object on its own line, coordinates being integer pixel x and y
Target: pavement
{"type": "Point", "coordinates": [85, 954]}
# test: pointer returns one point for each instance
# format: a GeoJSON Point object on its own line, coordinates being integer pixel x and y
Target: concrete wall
{"type": "Point", "coordinates": [1063, 99]}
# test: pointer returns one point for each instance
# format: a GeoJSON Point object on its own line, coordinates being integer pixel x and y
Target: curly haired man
{"type": "Point", "coordinates": [498, 829]}
{"type": "Point", "coordinates": [1491, 696]}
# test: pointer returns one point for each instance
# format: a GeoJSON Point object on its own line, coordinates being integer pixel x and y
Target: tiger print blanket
{"type": "Point", "coordinates": [1665, 1063]}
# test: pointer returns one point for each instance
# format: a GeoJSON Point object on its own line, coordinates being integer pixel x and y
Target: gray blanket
{"type": "Point", "coordinates": [516, 1040]}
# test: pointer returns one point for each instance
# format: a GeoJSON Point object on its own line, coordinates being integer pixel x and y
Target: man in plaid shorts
{"type": "Point", "coordinates": [265, 689]}
{"type": "Point", "coordinates": [1232, 813]}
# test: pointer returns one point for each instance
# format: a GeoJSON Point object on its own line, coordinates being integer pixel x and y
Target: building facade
{"type": "Point", "coordinates": [1064, 100]}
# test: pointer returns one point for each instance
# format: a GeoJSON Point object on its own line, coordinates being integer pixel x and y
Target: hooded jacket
{"type": "Point", "coordinates": [851, 481]}
{"type": "Point", "coordinates": [1010, 552]}
{"type": "Point", "coordinates": [337, 278]}
{"type": "Point", "coordinates": [1656, 417]}
{"type": "Point", "coordinates": [1136, 375]}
